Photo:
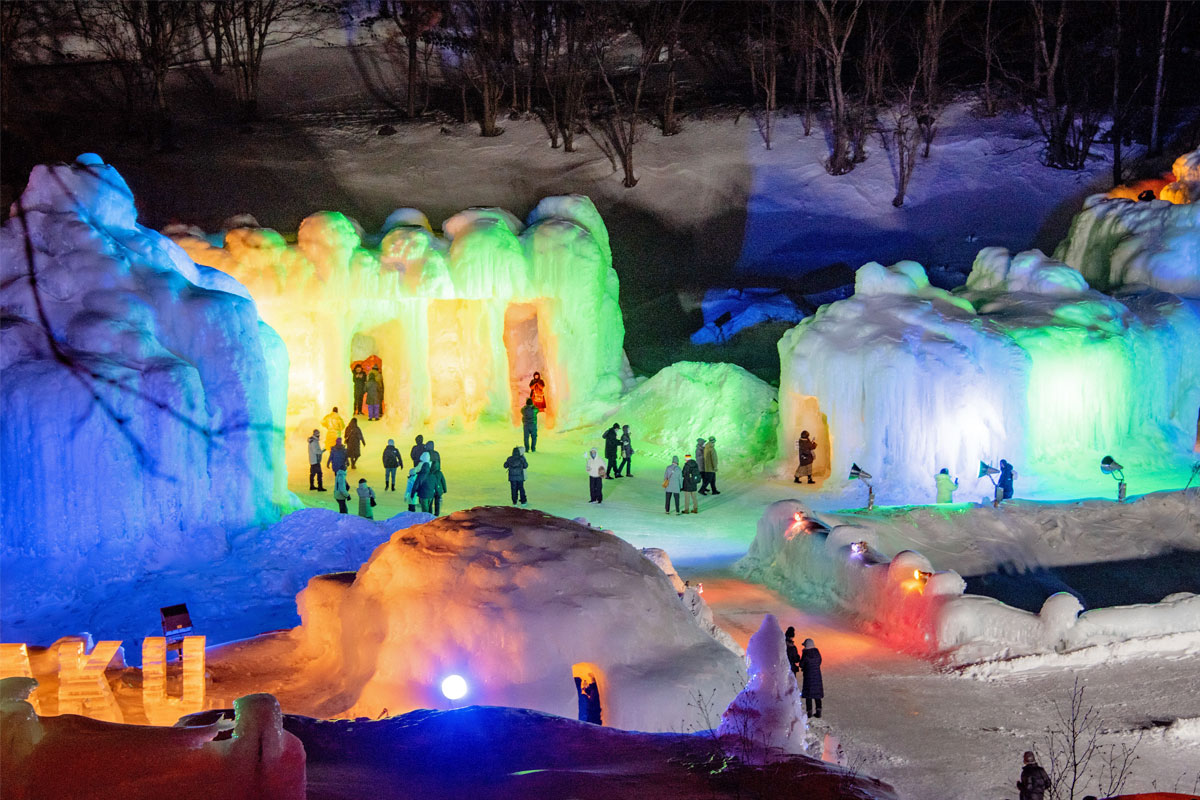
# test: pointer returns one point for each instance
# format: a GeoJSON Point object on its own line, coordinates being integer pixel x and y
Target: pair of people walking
{"type": "Point", "coordinates": [706, 460]}
{"type": "Point", "coordinates": [812, 688]}
{"type": "Point", "coordinates": [682, 480]}
{"type": "Point", "coordinates": [426, 483]}
{"type": "Point", "coordinates": [366, 495]}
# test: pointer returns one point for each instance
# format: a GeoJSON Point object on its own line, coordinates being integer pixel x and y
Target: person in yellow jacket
{"type": "Point", "coordinates": [334, 424]}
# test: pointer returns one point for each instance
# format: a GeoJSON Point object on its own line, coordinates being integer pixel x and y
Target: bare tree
{"type": "Point", "coordinates": [874, 66]}
{"type": "Point", "coordinates": [1155, 139]}
{"type": "Point", "coordinates": [1077, 758]}
{"type": "Point", "coordinates": [988, 46]}
{"type": "Point", "coordinates": [937, 21]}
{"type": "Point", "coordinates": [902, 140]}
{"type": "Point", "coordinates": [565, 69]}
{"type": "Point", "coordinates": [1064, 108]}
{"type": "Point", "coordinates": [762, 51]}
{"type": "Point", "coordinates": [803, 52]}
{"type": "Point", "coordinates": [483, 38]}
{"type": "Point", "coordinates": [412, 19]}
{"type": "Point", "coordinates": [836, 24]}
{"type": "Point", "coordinates": [672, 49]}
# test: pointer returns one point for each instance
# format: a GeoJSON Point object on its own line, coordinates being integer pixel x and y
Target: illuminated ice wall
{"type": "Point", "coordinates": [460, 321]}
{"type": "Point", "coordinates": [1025, 363]}
{"type": "Point", "coordinates": [140, 394]}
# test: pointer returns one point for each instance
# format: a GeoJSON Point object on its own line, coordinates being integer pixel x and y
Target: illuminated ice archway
{"type": "Point", "coordinates": [460, 322]}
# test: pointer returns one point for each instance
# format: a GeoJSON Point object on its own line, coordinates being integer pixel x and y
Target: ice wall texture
{"type": "Point", "coordinates": [1119, 242]}
{"type": "Point", "coordinates": [1024, 363]}
{"type": "Point", "coordinates": [140, 398]}
{"type": "Point", "coordinates": [512, 600]}
{"type": "Point", "coordinates": [460, 321]}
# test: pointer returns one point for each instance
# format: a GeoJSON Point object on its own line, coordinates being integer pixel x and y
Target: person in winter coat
{"type": "Point", "coordinates": [595, 471]}
{"type": "Point", "coordinates": [414, 454]}
{"type": "Point", "coordinates": [672, 479]}
{"type": "Point", "coordinates": [338, 460]}
{"type": "Point", "coordinates": [391, 462]}
{"type": "Point", "coordinates": [439, 481]}
{"type": "Point", "coordinates": [626, 462]}
{"type": "Point", "coordinates": [333, 424]}
{"type": "Point", "coordinates": [537, 391]}
{"type": "Point", "coordinates": [805, 446]}
{"type": "Point", "coordinates": [1034, 780]}
{"type": "Point", "coordinates": [708, 468]}
{"type": "Point", "coordinates": [529, 414]}
{"type": "Point", "coordinates": [811, 689]}
{"type": "Point", "coordinates": [1007, 474]}
{"type": "Point", "coordinates": [434, 456]}
{"type": "Point", "coordinates": [366, 499]}
{"type": "Point", "coordinates": [341, 492]}
{"type": "Point", "coordinates": [374, 395]}
{"type": "Point", "coordinates": [945, 486]}
{"type": "Point", "coordinates": [700, 453]}
{"type": "Point", "coordinates": [789, 643]}
{"type": "Point", "coordinates": [516, 466]}
{"type": "Point", "coordinates": [424, 485]}
{"type": "Point", "coordinates": [410, 493]}
{"type": "Point", "coordinates": [691, 480]}
{"type": "Point", "coordinates": [314, 462]}
{"type": "Point", "coordinates": [360, 389]}
{"type": "Point", "coordinates": [354, 442]}
{"type": "Point", "coordinates": [612, 444]}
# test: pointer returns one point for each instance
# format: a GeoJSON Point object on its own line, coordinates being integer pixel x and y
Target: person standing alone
{"type": "Point", "coordinates": [392, 461]}
{"type": "Point", "coordinates": [595, 470]}
{"type": "Point", "coordinates": [1034, 780]}
{"type": "Point", "coordinates": [516, 466]}
{"type": "Point", "coordinates": [805, 446]}
{"type": "Point", "coordinates": [708, 470]}
{"type": "Point", "coordinates": [529, 415]}
{"type": "Point", "coordinates": [333, 424]}
{"type": "Point", "coordinates": [366, 499]}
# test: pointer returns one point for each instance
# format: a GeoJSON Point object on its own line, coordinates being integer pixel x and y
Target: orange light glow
{"type": "Point", "coordinates": [1132, 190]}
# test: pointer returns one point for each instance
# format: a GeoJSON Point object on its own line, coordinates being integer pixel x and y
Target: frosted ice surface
{"type": "Point", "coordinates": [767, 716]}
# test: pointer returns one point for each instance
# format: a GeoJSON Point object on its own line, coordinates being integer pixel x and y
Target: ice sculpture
{"type": "Point", "coordinates": [460, 323]}
{"type": "Point", "coordinates": [512, 601]}
{"type": "Point", "coordinates": [140, 392]}
{"type": "Point", "coordinates": [1024, 363]}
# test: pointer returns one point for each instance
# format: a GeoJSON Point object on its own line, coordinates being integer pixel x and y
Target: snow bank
{"type": "Point", "coordinates": [746, 308]}
{"type": "Point", "coordinates": [1118, 242]}
{"type": "Point", "coordinates": [460, 322]}
{"type": "Point", "coordinates": [142, 407]}
{"type": "Point", "coordinates": [692, 598]}
{"type": "Point", "coordinates": [905, 600]}
{"type": "Point", "coordinates": [75, 757]}
{"type": "Point", "coordinates": [767, 717]}
{"type": "Point", "coordinates": [690, 399]}
{"type": "Point", "coordinates": [1024, 363]}
{"type": "Point", "coordinates": [514, 601]}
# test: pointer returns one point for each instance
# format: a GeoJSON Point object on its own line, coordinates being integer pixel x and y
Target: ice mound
{"type": "Point", "coordinates": [142, 405]}
{"type": "Point", "coordinates": [746, 308]}
{"type": "Point", "coordinates": [1118, 242]}
{"type": "Point", "coordinates": [767, 717]}
{"type": "Point", "coordinates": [689, 399]}
{"type": "Point", "coordinates": [75, 757]}
{"type": "Point", "coordinates": [460, 322]}
{"type": "Point", "coordinates": [516, 602]}
{"type": "Point", "coordinates": [1024, 363]}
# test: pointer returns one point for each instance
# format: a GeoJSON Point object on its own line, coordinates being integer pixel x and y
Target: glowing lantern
{"type": "Point", "coordinates": [858, 548]}
{"type": "Point", "coordinates": [454, 687]}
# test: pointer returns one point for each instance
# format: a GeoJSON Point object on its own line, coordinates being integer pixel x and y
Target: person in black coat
{"type": "Point", "coordinates": [811, 688]}
{"type": "Point", "coordinates": [1034, 780]}
{"type": "Point", "coordinates": [793, 655]}
{"type": "Point", "coordinates": [612, 443]}
{"type": "Point", "coordinates": [414, 454]}
{"type": "Point", "coordinates": [1007, 473]}
{"type": "Point", "coordinates": [360, 389]}
{"type": "Point", "coordinates": [529, 414]}
{"type": "Point", "coordinates": [391, 462]}
{"type": "Point", "coordinates": [516, 466]}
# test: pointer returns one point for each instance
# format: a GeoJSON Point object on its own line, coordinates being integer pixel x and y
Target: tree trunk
{"type": "Point", "coordinates": [412, 72]}
{"type": "Point", "coordinates": [989, 101]}
{"type": "Point", "coordinates": [1116, 95]}
{"type": "Point", "coordinates": [1155, 140]}
{"type": "Point", "coordinates": [810, 87]}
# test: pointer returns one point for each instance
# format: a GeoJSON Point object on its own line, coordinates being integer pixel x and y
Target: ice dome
{"type": "Point", "coordinates": [141, 402]}
{"type": "Point", "coordinates": [518, 603]}
{"type": "Point", "coordinates": [1118, 242]}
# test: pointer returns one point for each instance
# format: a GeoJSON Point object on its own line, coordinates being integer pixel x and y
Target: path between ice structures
{"type": "Point", "coordinates": [931, 734]}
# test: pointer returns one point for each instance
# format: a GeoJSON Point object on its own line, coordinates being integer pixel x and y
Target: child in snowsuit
{"type": "Point", "coordinates": [812, 689]}
{"type": "Point", "coordinates": [366, 499]}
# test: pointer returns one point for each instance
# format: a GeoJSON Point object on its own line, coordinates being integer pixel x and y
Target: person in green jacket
{"type": "Point", "coordinates": [366, 499]}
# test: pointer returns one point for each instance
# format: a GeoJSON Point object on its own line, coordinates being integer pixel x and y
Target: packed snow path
{"type": "Point", "coordinates": [948, 735]}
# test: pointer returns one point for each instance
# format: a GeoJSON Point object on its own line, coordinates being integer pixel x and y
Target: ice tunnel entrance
{"type": "Point", "coordinates": [809, 418]}
{"type": "Point", "coordinates": [588, 691]}
{"type": "Point", "coordinates": [381, 347]}
{"type": "Point", "coordinates": [526, 355]}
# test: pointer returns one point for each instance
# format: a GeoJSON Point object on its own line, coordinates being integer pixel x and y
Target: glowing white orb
{"type": "Point", "coordinates": [454, 687]}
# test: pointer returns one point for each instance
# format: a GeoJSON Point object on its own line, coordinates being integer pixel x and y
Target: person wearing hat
{"type": "Point", "coordinates": [708, 467]}
{"type": "Point", "coordinates": [392, 460]}
{"type": "Point", "coordinates": [366, 499]}
{"type": "Point", "coordinates": [793, 655]}
{"type": "Point", "coordinates": [314, 462]}
{"type": "Point", "coordinates": [805, 446]}
{"type": "Point", "coordinates": [1034, 780]}
{"type": "Point", "coordinates": [811, 688]}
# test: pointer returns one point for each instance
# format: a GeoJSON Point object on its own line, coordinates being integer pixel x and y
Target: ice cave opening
{"type": "Point", "coordinates": [591, 690]}
{"type": "Point", "coordinates": [526, 357]}
{"type": "Point", "coordinates": [810, 418]}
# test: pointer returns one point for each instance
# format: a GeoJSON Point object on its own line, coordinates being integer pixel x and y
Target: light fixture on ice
{"type": "Point", "coordinates": [454, 687]}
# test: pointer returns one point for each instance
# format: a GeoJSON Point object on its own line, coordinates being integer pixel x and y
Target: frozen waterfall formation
{"type": "Point", "coordinates": [142, 396]}
{"type": "Point", "coordinates": [460, 321]}
{"type": "Point", "coordinates": [1026, 362]}
{"type": "Point", "coordinates": [518, 603]}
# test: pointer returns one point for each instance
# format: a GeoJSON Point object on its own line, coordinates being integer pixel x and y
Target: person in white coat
{"type": "Point", "coordinates": [596, 467]}
{"type": "Point", "coordinates": [945, 486]}
{"type": "Point", "coordinates": [314, 462]}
